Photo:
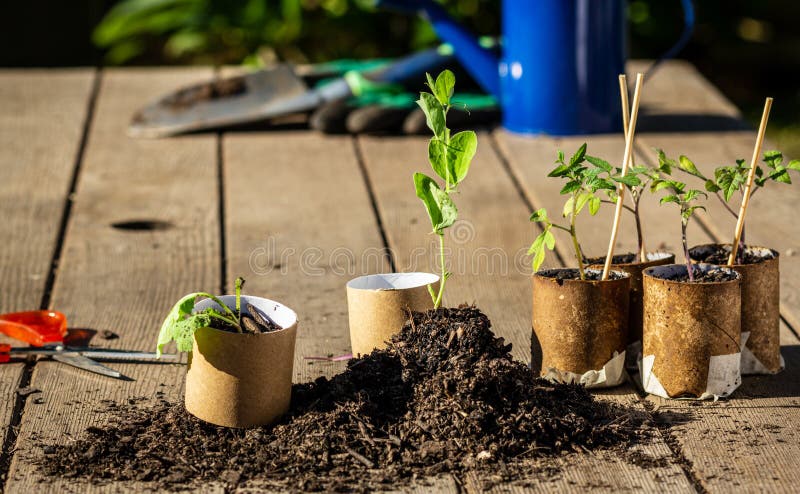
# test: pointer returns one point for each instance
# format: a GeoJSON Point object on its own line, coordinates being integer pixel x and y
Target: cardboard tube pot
{"type": "Point", "coordinates": [242, 379]}
{"type": "Point", "coordinates": [691, 341]}
{"type": "Point", "coordinates": [580, 328]}
{"type": "Point", "coordinates": [378, 305]}
{"type": "Point", "coordinates": [761, 316]}
{"type": "Point", "coordinates": [636, 308]}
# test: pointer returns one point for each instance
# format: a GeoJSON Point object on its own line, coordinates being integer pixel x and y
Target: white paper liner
{"type": "Point", "coordinates": [612, 374]}
{"type": "Point", "coordinates": [751, 364]}
{"type": "Point", "coordinates": [724, 375]}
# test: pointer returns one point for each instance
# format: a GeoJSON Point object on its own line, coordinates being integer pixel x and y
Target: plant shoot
{"type": "Point", "coordinates": [450, 157]}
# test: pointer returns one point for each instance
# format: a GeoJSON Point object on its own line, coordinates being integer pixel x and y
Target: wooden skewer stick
{"type": "Point", "coordinates": [625, 161]}
{"type": "Point", "coordinates": [751, 175]}
{"type": "Point", "coordinates": [626, 113]}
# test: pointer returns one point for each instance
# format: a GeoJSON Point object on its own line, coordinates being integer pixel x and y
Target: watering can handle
{"type": "Point", "coordinates": [481, 62]}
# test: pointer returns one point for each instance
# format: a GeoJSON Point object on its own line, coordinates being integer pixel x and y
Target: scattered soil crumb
{"type": "Point", "coordinates": [445, 397]}
{"type": "Point", "coordinates": [27, 391]}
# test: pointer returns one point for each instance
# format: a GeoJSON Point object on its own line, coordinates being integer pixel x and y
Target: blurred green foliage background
{"type": "Point", "coordinates": [748, 48]}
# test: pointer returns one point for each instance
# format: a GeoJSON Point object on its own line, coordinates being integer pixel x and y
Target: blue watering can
{"type": "Point", "coordinates": [557, 73]}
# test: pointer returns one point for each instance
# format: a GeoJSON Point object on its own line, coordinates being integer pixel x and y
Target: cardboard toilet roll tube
{"type": "Point", "coordinates": [378, 305]}
{"type": "Point", "coordinates": [761, 315]}
{"type": "Point", "coordinates": [580, 328]}
{"type": "Point", "coordinates": [636, 308]}
{"type": "Point", "coordinates": [241, 379]}
{"type": "Point", "coordinates": [691, 341]}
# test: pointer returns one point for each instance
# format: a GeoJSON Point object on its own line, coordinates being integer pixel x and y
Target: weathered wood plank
{"type": "Point", "coordinates": [125, 280]}
{"type": "Point", "coordinates": [300, 225]}
{"type": "Point", "coordinates": [494, 220]}
{"type": "Point", "coordinates": [42, 117]}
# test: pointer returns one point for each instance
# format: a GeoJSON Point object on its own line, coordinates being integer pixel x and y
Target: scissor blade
{"type": "Point", "coordinates": [114, 355]}
{"type": "Point", "coordinates": [85, 363]}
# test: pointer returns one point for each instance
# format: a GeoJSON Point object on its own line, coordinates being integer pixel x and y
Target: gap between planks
{"type": "Point", "coordinates": [9, 445]}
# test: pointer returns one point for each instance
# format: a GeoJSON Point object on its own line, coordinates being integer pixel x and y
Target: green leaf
{"type": "Point", "coordinates": [441, 210]}
{"type": "Point", "coordinates": [462, 149]}
{"type": "Point", "coordinates": [181, 310]}
{"type": "Point", "coordinates": [434, 113]}
{"type": "Point", "coordinates": [599, 163]}
{"type": "Point", "coordinates": [578, 156]}
{"type": "Point", "coordinates": [794, 165]}
{"type": "Point", "coordinates": [688, 166]}
{"type": "Point", "coordinates": [711, 186]}
{"type": "Point", "coordinates": [549, 239]}
{"type": "Point", "coordinates": [594, 205]}
{"type": "Point", "coordinates": [431, 83]}
{"type": "Point", "coordinates": [559, 171]}
{"type": "Point", "coordinates": [781, 175]}
{"type": "Point", "coordinates": [665, 165]}
{"type": "Point", "coordinates": [583, 198]}
{"type": "Point", "coordinates": [540, 215]}
{"type": "Point", "coordinates": [630, 180]}
{"type": "Point", "coordinates": [670, 198]}
{"type": "Point", "coordinates": [688, 212]}
{"type": "Point", "coordinates": [437, 157]}
{"type": "Point", "coordinates": [773, 158]}
{"type": "Point", "coordinates": [571, 186]}
{"type": "Point", "coordinates": [445, 84]}
{"type": "Point", "coordinates": [567, 209]}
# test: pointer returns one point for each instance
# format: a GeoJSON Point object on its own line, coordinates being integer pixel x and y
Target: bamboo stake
{"type": "Point", "coordinates": [751, 175]}
{"type": "Point", "coordinates": [625, 161]}
{"type": "Point", "coordinates": [623, 94]}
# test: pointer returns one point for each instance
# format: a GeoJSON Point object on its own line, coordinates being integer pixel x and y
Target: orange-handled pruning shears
{"type": "Point", "coordinates": [45, 331]}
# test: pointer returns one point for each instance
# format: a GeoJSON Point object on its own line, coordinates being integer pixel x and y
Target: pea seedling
{"type": "Point", "coordinates": [182, 322]}
{"type": "Point", "coordinates": [450, 157]}
{"type": "Point", "coordinates": [685, 198]}
{"type": "Point", "coordinates": [730, 179]}
{"type": "Point", "coordinates": [583, 184]}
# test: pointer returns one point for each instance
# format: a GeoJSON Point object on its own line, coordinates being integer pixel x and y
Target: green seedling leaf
{"type": "Point", "coordinates": [539, 215]}
{"type": "Point", "coordinates": [571, 186]}
{"type": "Point", "coordinates": [462, 149]}
{"type": "Point", "coordinates": [670, 198]}
{"type": "Point", "coordinates": [441, 210]}
{"type": "Point", "coordinates": [594, 205]}
{"type": "Point", "coordinates": [445, 83]}
{"type": "Point", "coordinates": [544, 241]}
{"type": "Point", "coordinates": [567, 209]}
{"type": "Point", "coordinates": [181, 310]}
{"type": "Point", "coordinates": [689, 167]}
{"type": "Point", "coordinates": [578, 156]}
{"type": "Point", "coordinates": [559, 171]}
{"type": "Point", "coordinates": [437, 156]}
{"type": "Point", "coordinates": [431, 83]}
{"type": "Point", "coordinates": [583, 198]}
{"type": "Point", "coordinates": [794, 165]}
{"type": "Point", "coordinates": [631, 180]}
{"type": "Point", "coordinates": [773, 158]}
{"type": "Point", "coordinates": [599, 163]}
{"type": "Point", "coordinates": [434, 113]}
{"type": "Point", "coordinates": [711, 186]}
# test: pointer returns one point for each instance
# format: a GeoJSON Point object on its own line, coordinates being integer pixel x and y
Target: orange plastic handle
{"type": "Point", "coordinates": [5, 353]}
{"type": "Point", "coordinates": [36, 327]}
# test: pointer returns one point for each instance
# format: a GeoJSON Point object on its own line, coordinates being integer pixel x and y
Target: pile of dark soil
{"type": "Point", "coordinates": [444, 397]}
{"type": "Point", "coordinates": [719, 255]}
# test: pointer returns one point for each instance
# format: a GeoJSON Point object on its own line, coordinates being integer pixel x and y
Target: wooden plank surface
{"type": "Point", "coordinates": [494, 218]}
{"type": "Point", "coordinates": [122, 280]}
{"type": "Point", "coordinates": [300, 225]}
{"type": "Point", "coordinates": [42, 118]}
